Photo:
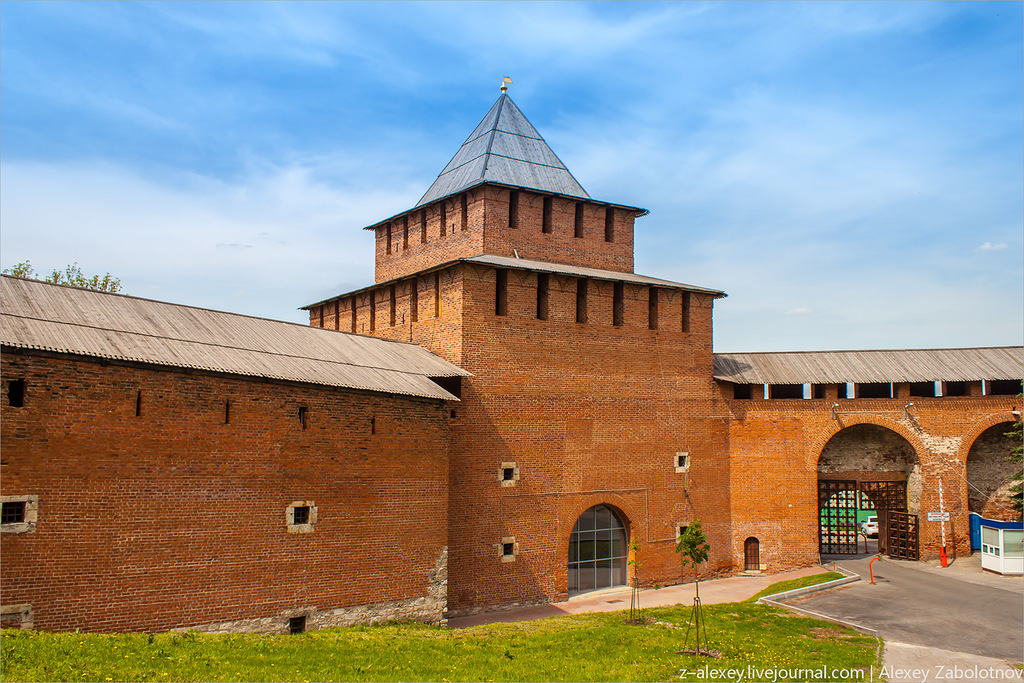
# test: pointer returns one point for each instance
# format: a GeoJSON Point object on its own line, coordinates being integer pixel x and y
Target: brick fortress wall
{"type": "Point", "coordinates": [775, 446]}
{"type": "Point", "coordinates": [176, 517]}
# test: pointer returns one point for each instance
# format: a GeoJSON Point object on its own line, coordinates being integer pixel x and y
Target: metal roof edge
{"type": "Point", "coordinates": [637, 210]}
{"type": "Point", "coordinates": [476, 259]}
{"type": "Point", "coordinates": [598, 273]}
{"type": "Point", "coordinates": [227, 373]}
{"type": "Point", "coordinates": [951, 348]}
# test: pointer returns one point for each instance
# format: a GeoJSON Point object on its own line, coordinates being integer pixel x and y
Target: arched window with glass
{"type": "Point", "coordinates": [598, 550]}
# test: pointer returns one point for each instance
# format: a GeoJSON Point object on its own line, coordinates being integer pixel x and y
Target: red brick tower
{"type": "Point", "coordinates": [590, 417]}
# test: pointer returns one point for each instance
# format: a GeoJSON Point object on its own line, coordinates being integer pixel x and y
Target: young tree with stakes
{"type": "Point", "coordinates": [693, 547]}
{"type": "Point", "coordinates": [634, 600]}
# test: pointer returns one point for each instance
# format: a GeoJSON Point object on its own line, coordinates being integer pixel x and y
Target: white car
{"type": "Point", "coordinates": [870, 527]}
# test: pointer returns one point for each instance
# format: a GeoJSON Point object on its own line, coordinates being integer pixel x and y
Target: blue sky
{"type": "Point", "coordinates": [850, 173]}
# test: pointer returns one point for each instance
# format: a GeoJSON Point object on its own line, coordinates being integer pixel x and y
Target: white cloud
{"type": "Point", "coordinates": [988, 246]}
{"type": "Point", "coordinates": [265, 245]}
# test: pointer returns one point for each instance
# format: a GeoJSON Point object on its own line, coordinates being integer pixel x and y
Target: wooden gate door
{"type": "Point", "coordinates": [752, 555]}
{"type": "Point", "coordinates": [901, 535]}
{"type": "Point", "coordinates": [837, 517]}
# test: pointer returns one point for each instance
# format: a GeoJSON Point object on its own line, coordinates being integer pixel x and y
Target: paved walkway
{"type": "Point", "coordinates": [904, 662]}
{"type": "Point", "coordinates": [731, 589]}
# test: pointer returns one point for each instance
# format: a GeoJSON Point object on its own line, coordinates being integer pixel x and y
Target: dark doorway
{"type": "Point", "coordinates": [752, 555]}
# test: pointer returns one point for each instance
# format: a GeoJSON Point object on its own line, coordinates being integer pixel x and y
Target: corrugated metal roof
{"type": "Point", "coordinates": [38, 315]}
{"type": "Point", "coordinates": [504, 149]}
{"type": "Point", "coordinates": [906, 365]}
{"type": "Point", "coordinates": [578, 271]}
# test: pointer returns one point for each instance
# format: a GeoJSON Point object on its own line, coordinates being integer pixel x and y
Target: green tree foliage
{"type": "Point", "coordinates": [1017, 455]}
{"type": "Point", "coordinates": [71, 275]}
{"type": "Point", "coordinates": [693, 545]}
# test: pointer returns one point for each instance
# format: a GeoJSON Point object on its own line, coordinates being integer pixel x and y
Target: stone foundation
{"type": "Point", "coordinates": [429, 609]}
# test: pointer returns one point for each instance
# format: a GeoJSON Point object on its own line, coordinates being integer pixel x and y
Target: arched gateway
{"type": "Point", "coordinates": [598, 550]}
{"type": "Point", "coordinates": [868, 470]}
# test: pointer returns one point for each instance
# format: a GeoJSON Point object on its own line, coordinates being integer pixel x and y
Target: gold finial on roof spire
{"type": "Point", "coordinates": [505, 82]}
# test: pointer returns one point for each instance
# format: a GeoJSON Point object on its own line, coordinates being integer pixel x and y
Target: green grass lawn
{"type": "Point", "coordinates": [589, 647]}
{"type": "Point", "coordinates": [793, 584]}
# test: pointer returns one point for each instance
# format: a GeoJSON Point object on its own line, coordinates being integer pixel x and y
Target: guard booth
{"type": "Point", "coordinates": [1002, 547]}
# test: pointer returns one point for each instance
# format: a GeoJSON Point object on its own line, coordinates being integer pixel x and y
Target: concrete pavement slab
{"type": "Point", "coordinates": [904, 662]}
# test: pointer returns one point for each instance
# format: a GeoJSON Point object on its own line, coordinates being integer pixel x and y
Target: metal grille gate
{"type": "Point", "coordinates": [837, 517]}
{"type": "Point", "coordinates": [838, 502]}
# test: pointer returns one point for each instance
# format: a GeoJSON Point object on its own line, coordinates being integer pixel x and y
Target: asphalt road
{"type": "Point", "coordinates": [915, 605]}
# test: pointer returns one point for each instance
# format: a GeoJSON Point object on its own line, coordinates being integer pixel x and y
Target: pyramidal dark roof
{"type": "Point", "coordinates": [504, 149]}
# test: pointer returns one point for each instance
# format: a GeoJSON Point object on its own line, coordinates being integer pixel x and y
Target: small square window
{"type": "Point", "coordinates": [509, 549]}
{"type": "Point", "coordinates": [300, 517]}
{"type": "Point", "coordinates": [682, 462]}
{"type": "Point", "coordinates": [19, 514]}
{"type": "Point", "coordinates": [508, 474]}
{"type": "Point", "coordinates": [13, 513]}
{"type": "Point", "coordinates": [296, 624]}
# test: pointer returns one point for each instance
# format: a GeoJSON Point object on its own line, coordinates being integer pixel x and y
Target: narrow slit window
{"type": "Point", "coordinates": [337, 314]}
{"type": "Point", "coordinates": [138, 404]}
{"type": "Point", "coordinates": [543, 283]}
{"type": "Point", "coordinates": [513, 209]}
{"type": "Point", "coordinates": [578, 224]}
{"type": "Point", "coordinates": [581, 300]}
{"type": "Point", "coordinates": [414, 300]}
{"type": "Point", "coordinates": [405, 232]}
{"type": "Point", "coordinates": [686, 312]}
{"type": "Point", "coordinates": [387, 236]}
{"type": "Point", "coordinates": [321, 316]}
{"type": "Point", "coordinates": [227, 412]}
{"type": "Point", "coordinates": [618, 304]}
{"type": "Point", "coordinates": [545, 224]}
{"type": "Point", "coordinates": [444, 218]}
{"type": "Point", "coordinates": [501, 292]}
{"type": "Point", "coordinates": [373, 425]}
{"type": "Point", "coordinates": [652, 308]}
{"type": "Point", "coordinates": [609, 224]}
{"type": "Point", "coordinates": [423, 226]}
{"type": "Point", "coordinates": [16, 393]}
{"type": "Point", "coordinates": [437, 294]}
{"type": "Point", "coordinates": [304, 416]}
{"type": "Point", "coordinates": [352, 303]}
{"type": "Point", "coordinates": [373, 311]}
{"type": "Point", "coordinates": [464, 218]}
{"type": "Point", "coordinates": [393, 303]}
